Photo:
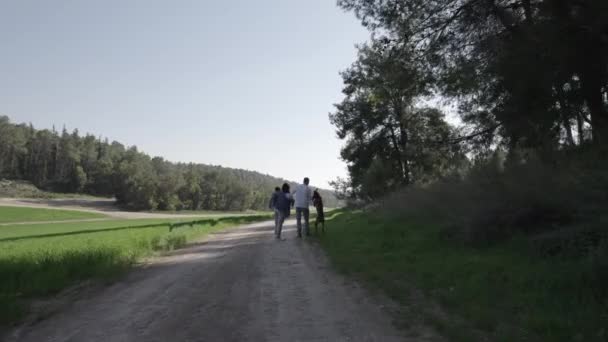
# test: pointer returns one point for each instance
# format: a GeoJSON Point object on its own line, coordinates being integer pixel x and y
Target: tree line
{"type": "Point", "coordinates": [71, 163]}
{"type": "Point", "coordinates": [525, 75]}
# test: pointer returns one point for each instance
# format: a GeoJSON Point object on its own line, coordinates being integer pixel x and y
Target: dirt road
{"type": "Point", "coordinates": [240, 285]}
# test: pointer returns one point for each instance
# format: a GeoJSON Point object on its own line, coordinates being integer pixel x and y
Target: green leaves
{"type": "Point", "coordinates": [390, 142]}
{"type": "Point", "coordinates": [538, 68]}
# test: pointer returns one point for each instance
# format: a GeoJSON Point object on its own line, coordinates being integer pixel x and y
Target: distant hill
{"type": "Point", "coordinates": [67, 162]}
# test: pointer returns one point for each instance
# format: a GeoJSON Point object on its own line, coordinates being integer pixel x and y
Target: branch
{"type": "Point", "coordinates": [466, 137]}
{"type": "Point", "coordinates": [528, 10]}
{"type": "Point", "coordinates": [585, 118]}
{"type": "Point", "coordinates": [422, 24]}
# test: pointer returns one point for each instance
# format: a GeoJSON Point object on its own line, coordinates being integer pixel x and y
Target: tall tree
{"type": "Point", "coordinates": [385, 132]}
{"type": "Point", "coordinates": [508, 61]}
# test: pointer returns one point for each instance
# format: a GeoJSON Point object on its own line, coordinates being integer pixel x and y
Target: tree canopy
{"type": "Point", "coordinates": [526, 74]}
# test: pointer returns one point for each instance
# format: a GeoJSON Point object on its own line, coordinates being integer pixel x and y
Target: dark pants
{"type": "Point", "coordinates": [306, 212]}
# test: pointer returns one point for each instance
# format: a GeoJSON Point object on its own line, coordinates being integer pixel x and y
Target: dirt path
{"type": "Point", "coordinates": [241, 285]}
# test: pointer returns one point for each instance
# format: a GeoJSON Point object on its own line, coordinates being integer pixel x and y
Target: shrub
{"type": "Point", "coordinates": [499, 199]}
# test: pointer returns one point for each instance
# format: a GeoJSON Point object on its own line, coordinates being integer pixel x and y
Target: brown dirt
{"type": "Point", "coordinates": [240, 285]}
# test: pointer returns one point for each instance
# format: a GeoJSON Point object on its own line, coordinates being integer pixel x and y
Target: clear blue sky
{"type": "Point", "coordinates": [244, 83]}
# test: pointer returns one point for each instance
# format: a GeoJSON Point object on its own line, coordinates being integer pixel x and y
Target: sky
{"type": "Point", "coordinates": [245, 84]}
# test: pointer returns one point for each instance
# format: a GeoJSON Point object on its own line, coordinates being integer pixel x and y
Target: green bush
{"type": "Point", "coordinates": [498, 199]}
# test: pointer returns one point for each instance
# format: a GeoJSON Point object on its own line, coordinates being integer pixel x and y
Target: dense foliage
{"type": "Point", "coordinates": [388, 137]}
{"type": "Point", "coordinates": [526, 75]}
{"type": "Point", "coordinates": [68, 162]}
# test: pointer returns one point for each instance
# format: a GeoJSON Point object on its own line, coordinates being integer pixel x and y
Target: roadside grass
{"type": "Point", "coordinates": [502, 292]}
{"type": "Point", "coordinates": [40, 260]}
{"type": "Point", "coordinates": [21, 214]}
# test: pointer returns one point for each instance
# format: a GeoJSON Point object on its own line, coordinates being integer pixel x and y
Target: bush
{"type": "Point", "coordinates": [598, 275]}
{"type": "Point", "coordinates": [498, 199]}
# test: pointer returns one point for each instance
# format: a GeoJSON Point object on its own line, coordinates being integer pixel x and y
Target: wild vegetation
{"type": "Point", "coordinates": [41, 259]}
{"type": "Point", "coordinates": [25, 189]}
{"type": "Point", "coordinates": [513, 196]}
{"type": "Point", "coordinates": [70, 163]}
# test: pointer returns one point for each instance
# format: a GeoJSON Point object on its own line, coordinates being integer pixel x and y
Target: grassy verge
{"type": "Point", "coordinates": [19, 214]}
{"type": "Point", "coordinates": [503, 291]}
{"type": "Point", "coordinates": [39, 260]}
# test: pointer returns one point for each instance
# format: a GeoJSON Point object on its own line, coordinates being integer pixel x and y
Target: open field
{"type": "Point", "coordinates": [41, 259]}
{"type": "Point", "coordinates": [502, 292]}
{"type": "Point", "coordinates": [22, 214]}
{"type": "Point", "coordinates": [108, 208]}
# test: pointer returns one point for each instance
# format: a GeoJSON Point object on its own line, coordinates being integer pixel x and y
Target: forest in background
{"type": "Point", "coordinates": [70, 163]}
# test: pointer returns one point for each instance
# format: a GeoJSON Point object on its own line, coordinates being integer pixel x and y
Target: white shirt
{"type": "Point", "coordinates": [303, 196]}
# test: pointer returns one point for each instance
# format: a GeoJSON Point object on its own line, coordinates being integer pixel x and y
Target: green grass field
{"type": "Point", "coordinates": [41, 259]}
{"type": "Point", "coordinates": [19, 214]}
{"type": "Point", "coordinates": [502, 292]}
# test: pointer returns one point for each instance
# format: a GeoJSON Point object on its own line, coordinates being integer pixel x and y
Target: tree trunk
{"type": "Point", "coordinates": [593, 78]}
{"type": "Point", "coordinates": [579, 123]}
{"type": "Point", "coordinates": [566, 114]}
{"type": "Point", "coordinates": [404, 141]}
{"type": "Point", "coordinates": [592, 89]}
{"type": "Point", "coordinates": [568, 129]}
{"type": "Point", "coordinates": [398, 151]}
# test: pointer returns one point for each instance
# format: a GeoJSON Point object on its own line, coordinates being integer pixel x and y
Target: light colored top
{"type": "Point", "coordinates": [303, 196]}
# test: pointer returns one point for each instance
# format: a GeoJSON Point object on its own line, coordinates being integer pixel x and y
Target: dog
{"type": "Point", "coordinates": [317, 201]}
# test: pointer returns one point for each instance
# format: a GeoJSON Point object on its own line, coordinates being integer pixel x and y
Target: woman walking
{"type": "Point", "coordinates": [284, 202]}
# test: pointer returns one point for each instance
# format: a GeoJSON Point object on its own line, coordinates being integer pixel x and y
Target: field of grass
{"type": "Point", "coordinates": [502, 292]}
{"type": "Point", "coordinates": [19, 214]}
{"type": "Point", "coordinates": [41, 259]}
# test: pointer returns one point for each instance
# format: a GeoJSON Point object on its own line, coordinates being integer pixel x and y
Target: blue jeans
{"type": "Point", "coordinates": [280, 217]}
{"type": "Point", "coordinates": [306, 212]}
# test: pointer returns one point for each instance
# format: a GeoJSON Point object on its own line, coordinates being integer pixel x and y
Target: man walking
{"type": "Point", "coordinates": [303, 196]}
